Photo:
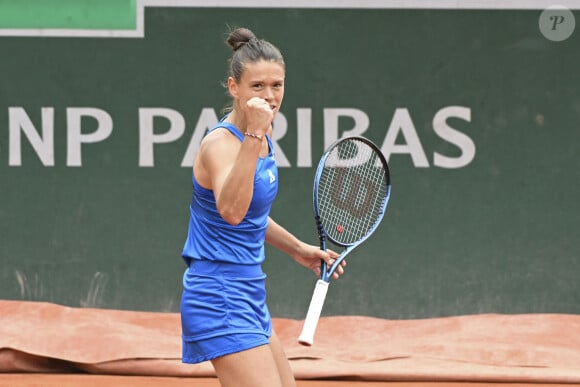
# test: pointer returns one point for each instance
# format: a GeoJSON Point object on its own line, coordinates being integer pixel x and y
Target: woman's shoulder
{"type": "Point", "coordinates": [218, 141]}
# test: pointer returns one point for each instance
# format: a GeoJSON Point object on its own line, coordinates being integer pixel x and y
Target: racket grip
{"type": "Point", "coordinates": [313, 314]}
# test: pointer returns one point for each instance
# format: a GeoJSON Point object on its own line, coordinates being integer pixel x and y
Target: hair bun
{"type": "Point", "coordinates": [239, 37]}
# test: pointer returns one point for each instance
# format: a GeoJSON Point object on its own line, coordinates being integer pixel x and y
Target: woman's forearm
{"type": "Point", "coordinates": [280, 238]}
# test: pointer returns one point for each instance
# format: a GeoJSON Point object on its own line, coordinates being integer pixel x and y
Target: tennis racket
{"type": "Point", "coordinates": [352, 187]}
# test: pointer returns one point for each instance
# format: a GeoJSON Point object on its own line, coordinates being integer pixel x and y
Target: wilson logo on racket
{"type": "Point", "coordinates": [352, 193]}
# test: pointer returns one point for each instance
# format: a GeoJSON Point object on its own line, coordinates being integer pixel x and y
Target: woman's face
{"type": "Point", "coordinates": [263, 79]}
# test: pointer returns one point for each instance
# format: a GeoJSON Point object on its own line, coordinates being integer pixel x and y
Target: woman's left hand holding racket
{"type": "Point", "coordinates": [311, 257]}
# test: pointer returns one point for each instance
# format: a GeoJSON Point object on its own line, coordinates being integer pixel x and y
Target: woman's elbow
{"type": "Point", "coordinates": [232, 218]}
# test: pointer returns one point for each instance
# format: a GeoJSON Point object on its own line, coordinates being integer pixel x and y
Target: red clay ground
{"type": "Point", "coordinates": [73, 380]}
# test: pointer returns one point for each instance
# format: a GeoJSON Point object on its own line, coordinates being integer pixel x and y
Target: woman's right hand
{"type": "Point", "coordinates": [259, 117]}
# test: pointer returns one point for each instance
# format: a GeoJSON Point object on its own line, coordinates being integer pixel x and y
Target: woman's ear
{"type": "Point", "coordinates": [233, 87]}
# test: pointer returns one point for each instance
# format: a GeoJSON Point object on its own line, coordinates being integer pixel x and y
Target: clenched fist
{"type": "Point", "coordinates": [259, 116]}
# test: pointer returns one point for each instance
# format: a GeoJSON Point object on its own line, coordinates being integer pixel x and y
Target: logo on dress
{"type": "Point", "coordinates": [272, 177]}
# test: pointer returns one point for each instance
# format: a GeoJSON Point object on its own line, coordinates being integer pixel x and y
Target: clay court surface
{"type": "Point", "coordinates": [43, 344]}
{"type": "Point", "coordinates": [63, 380]}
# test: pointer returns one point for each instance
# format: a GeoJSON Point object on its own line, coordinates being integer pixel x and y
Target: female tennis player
{"type": "Point", "coordinates": [224, 314]}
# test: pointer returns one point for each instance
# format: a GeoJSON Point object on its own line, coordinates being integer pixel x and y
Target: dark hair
{"type": "Point", "coordinates": [249, 49]}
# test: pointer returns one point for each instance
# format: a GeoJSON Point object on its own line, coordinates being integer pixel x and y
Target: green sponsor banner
{"type": "Point", "coordinates": [477, 111]}
{"type": "Point", "coordinates": [68, 14]}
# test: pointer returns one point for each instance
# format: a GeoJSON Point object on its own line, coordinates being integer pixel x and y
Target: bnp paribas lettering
{"type": "Point", "coordinates": [163, 127]}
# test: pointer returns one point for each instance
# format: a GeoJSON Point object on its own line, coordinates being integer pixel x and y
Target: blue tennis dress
{"type": "Point", "coordinates": [223, 305]}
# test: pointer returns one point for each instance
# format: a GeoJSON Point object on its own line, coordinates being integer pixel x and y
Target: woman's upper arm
{"type": "Point", "coordinates": [228, 170]}
{"type": "Point", "coordinates": [214, 163]}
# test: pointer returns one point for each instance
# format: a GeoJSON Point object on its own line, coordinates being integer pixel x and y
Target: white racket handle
{"type": "Point", "coordinates": [313, 314]}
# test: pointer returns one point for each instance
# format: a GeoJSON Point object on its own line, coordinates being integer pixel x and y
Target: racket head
{"type": "Point", "coordinates": [352, 187]}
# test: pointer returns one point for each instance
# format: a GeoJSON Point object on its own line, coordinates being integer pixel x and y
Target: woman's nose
{"type": "Point", "coordinates": [268, 93]}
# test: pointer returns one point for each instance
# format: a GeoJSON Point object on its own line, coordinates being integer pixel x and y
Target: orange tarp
{"type": "Point", "coordinates": [532, 348]}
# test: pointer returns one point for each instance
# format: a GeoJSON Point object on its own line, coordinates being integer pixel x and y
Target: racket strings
{"type": "Point", "coordinates": [351, 192]}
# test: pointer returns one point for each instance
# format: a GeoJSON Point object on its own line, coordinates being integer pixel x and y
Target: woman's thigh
{"type": "Point", "coordinates": [263, 366]}
{"type": "Point", "coordinates": [284, 370]}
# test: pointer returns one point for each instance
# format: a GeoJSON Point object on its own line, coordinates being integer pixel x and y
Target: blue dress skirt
{"type": "Point", "coordinates": [223, 310]}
